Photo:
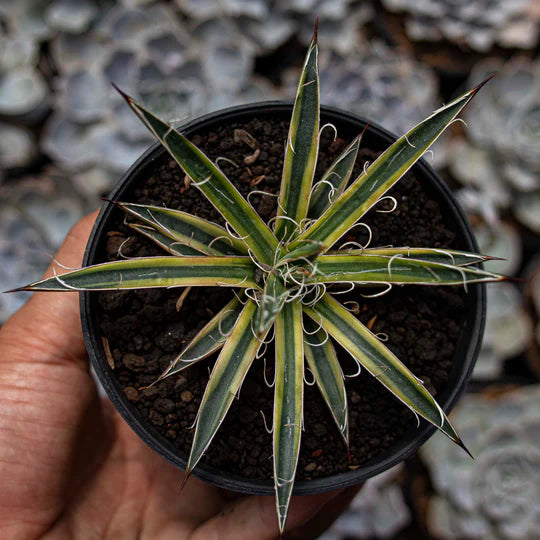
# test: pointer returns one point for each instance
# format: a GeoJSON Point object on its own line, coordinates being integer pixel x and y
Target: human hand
{"type": "Point", "coordinates": [70, 467]}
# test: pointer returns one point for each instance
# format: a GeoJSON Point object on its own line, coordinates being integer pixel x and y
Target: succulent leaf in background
{"type": "Point", "coordinates": [36, 213]}
{"type": "Point", "coordinates": [179, 68]}
{"type": "Point", "coordinates": [481, 24]}
{"type": "Point", "coordinates": [378, 510]}
{"type": "Point", "coordinates": [509, 331]}
{"type": "Point", "coordinates": [509, 328]}
{"type": "Point", "coordinates": [532, 305]}
{"type": "Point", "coordinates": [16, 146]}
{"type": "Point", "coordinates": [181, 59]}
{"type": "Point", "coordinates": [23, 89]}
{"type": "Point", "coordinates": [287, 273]}
{"type": "Point", "coordinates": [500, 156]}
{"type": "Point", "coordinates": [496, 496]}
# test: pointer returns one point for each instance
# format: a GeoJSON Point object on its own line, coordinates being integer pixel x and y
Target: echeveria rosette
{"type": "Point", "coordinates": [497, 495]}
{"type": "Point", "coordinates": [285, 273]}
{"type": "Point", "coordinates": [480, 25]}
{"type": "Point", "coordinates": [499, 160]}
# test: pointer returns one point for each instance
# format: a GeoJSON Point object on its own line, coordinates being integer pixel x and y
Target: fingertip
{"type": "Point", "coordinates": [321, 515]}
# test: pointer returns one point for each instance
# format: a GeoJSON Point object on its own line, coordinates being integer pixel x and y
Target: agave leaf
{"type": "Point", "coordinates": [371, 185]}
{"type": "Point", "coordinates": [322, 361]}
{"type": "Point", "coordinates": [165, 242]}
{"type": "Point", "coordinates": [149, 272]}
{"type": "Point", "coordinates": [302, 147]}
{"type": "Point", "coordinates": [436, 255]}
{"type": "Point", "coordinates": [209, 178]}
{"type": "Point", "coordinates": [208, 340]}
{"type": "Point", "coordinates": [367, 269]}
{"type": "Point", "coordinates": [273, 297]}
{"type": "Point", "coordinates": [372, 354]}
{"type": "Point", "coordinates": [288, 403]}
{"type": "Point", "coordinates": [225, 380]}
{"type": "Point", "coordinates": [184, 228]}
{"type": "Point", "coordinates": [334, 180]}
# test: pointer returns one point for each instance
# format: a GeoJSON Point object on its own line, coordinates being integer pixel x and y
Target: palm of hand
{"type": "Point", "coordinates": [71, 468]}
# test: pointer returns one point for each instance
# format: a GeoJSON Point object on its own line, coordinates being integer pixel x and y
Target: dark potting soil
{"type": "Point", "coordinates": [145, 330]}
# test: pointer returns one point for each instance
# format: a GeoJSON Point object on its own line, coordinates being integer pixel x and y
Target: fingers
{"type": "Point", "coordinates": [255, 517]}
{"type": "Point", "coordinates": [48, 325]}
{"type": "Point", "coordinates": [323, 519]}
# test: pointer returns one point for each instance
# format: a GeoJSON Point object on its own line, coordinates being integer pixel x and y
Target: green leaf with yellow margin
{"type": "Point", "coordinates": [385, 171]}
{"type": "Point", "coordinates": [302, 148]}
{"type": "Point", "coordinates": [211, 181]}
{"type": "Point", "coordinates": [208, 340]}
{"type": "Point", "coordinates": [368, 269]}
{"type": "Point", "coordinates": [165, 242]}
{"type": "Point", "coordinates": [334, 180]}
{"type": "Point", "coordinates": [187, 229]}
{"type": "Point", "coordinates": [152, 272]}
{"type": "Point", "coordinates": [374, 356]}
{"type": "Point", "coordinates": [436, 255]}
{"type": "Point", "coordinates": [323, 362]}
{"type": "Point", "coordinates": [226, 378]}
{"type": "Point", "coordinates": [288, 403]}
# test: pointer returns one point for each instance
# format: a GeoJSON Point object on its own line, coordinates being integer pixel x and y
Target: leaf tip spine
{"type": "Point", "coordinates": [18, 289]}
{"type": "Point", "coordinates": [315, 37]}
{"type": "Point", "coordinates": [187, 475]}
{"type": "Point", "coordinates": [110, 201]}
{"type": "Point", "coordinates": [364, 130]}
{"type": "Point", "coordinates": [478, 87]}
{"type": "Point", "coordinates": [461, 444]}
{"type": "Point", "coordinates": [129, 99]}
{"type": "Point", "coordinates": [512, 279]}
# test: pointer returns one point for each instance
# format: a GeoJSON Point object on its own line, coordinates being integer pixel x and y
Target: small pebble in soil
{"type": "Point", "coordinates": [156, 418]}
{"type": "Point", "coordinates": [186, 396]}
{"type": "Point", "coordinates": [150, 392]}
{"type": "Point", "coordinates": [181, 383]}
{"type": "Point", "coordinates": [164, 405]}
{"type": "Point", "coordinates": [134, 362]}
{"type": "Point", "coordinates": [131, 393]}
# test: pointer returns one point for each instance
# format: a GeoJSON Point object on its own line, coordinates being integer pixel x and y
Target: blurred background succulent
{"type": "Point", "coordinates": [500, 156]}
{"type": "Point", "coordinates": [496, 496]}
{"type": "Point", "coordinates": [65, 138]}
{"type": "Point", "coordinates": [479, 24]}
{"type": "Point", "coordinates": [171, 70]}
{"type": "Point", "coordinates": [378, 511]}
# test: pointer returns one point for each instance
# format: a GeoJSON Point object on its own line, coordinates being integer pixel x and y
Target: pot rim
{"type": "Point", "coordinates": [398, 452]}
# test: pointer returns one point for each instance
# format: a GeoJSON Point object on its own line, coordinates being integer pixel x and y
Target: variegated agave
{"type": "Point", "coordinates": [286, 274]}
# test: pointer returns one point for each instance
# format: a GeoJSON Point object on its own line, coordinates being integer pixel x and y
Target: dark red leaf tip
{"type": "Point", "coordinates": [18, 289]}
{"type": "Point", "coordinates": [460, 443]}
{"type": "Point", "coordinates": [187, 476]}
{"type": "Point", "coordinates": [477, 88]}
{"type": "Point", "coordinates": [123, 94]}
{"type": "Point", "coordinates": [105, 199]}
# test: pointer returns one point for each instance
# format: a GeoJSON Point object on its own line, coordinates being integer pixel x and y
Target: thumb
{"type": "Point", "coordinates": [48, 326]}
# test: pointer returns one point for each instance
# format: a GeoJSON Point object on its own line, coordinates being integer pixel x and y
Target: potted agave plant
{"type": "Point", "coordinates": [286, 273]}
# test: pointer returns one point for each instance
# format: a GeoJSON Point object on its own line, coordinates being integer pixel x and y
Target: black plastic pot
{"type": "Point", "coordinates": [467, 347]}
